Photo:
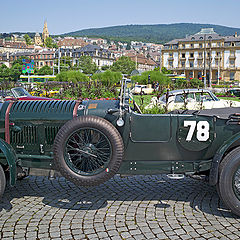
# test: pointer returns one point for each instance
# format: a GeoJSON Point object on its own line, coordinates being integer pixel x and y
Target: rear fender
{"type": "Point", "coordinates": [11, 158]}
{"type": "Point", "coordinates": [230, 143]}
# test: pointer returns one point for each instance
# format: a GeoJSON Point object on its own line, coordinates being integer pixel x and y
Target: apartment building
{"type": "Point", "coordinates": [204, 54]}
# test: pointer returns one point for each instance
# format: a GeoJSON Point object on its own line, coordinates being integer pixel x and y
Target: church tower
{"type": "Point", "coordinates": [45, 33]}
{"type": "Point", "coordinates": [37, 39]}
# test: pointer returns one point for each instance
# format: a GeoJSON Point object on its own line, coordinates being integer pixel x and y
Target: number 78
{"type": "Point", "coordinates": [202, 130]}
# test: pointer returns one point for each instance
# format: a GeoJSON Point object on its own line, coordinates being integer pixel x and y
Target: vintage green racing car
{"type": "Point", "coordinates": [88, 142]}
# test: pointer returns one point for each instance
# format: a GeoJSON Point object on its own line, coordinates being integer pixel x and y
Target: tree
{"type": "Point", "coordinates": [71, 76]}
{"type": "Point", "coordinates": [124, 65]}
{"type": "Point", "coordinates": [15, 71]}
{"type": "Point", "coordinates": [154, 77]}
{"type": "Point", "coordinates": [49, 43]}
{"type": "Point", "coordinates": [128, 47]}
{"type": "Point", "coordinates": [108, 78]}
{"type": "Point", "coordinates": [165, 71]}
{"type": "Point", "coordinates": [105, 67]}
{"type": "Point", "coordinates": [45, 70]}
{"type": "Point", "coordinates": [4, 72]}
{"type": "Point", "coordinates": [86, 65]}
{"type": "Point", "coordinates": [27, 39]}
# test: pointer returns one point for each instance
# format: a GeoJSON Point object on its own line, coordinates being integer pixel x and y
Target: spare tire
{"type": "Point", "coordinates": [88, 150]}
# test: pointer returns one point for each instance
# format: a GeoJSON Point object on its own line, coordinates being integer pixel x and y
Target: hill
{"type": "Point", "coordinates": [158, 33]}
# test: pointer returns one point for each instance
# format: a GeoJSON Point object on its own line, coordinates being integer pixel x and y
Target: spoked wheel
{"type": "Point", "coordinates": [229, 180]}
{"type": "Point", "coordinates": [88, 150]}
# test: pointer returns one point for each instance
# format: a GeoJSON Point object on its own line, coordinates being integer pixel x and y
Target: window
{"type": "Point", "coordinates": [232, 74]}
{"type": "Point", "coordinates": [191, 45]}
{"type": "Point", "coordinates": [232, 44]}
{"type": "Point", "coordinates": [191, 64]}
{"type": "Point", "coordinates": [183, 46]}
{"type": "Point", "coordinates": [203, 97]}
{"type": "Point", "coordinates": [200, 54]}
{"type": "Point", "coordinates": [183, 55]}
{"type": "Point", "coordinates": [232, 62]}
{"type": "Point", "coordinates": [189, 97]}
{"type": "Point", "coordinates": [191, 55]}
{"type": "Point", "coordinates": [200, 45]}
{"type": "Point", "coordinates": [183, 63]}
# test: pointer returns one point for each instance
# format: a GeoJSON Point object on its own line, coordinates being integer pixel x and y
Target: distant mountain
{"type": "Point", "coordinates": [158, 33]}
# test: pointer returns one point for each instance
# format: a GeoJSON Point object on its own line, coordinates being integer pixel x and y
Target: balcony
{"type": "Point", "coordinates": [218, 57]}
{"type": "Point", "coordinates": [232, 56]}
{"type": "Point", "coordinates": [170, 58]}
{"type": "Point", "coordinates": [183, 58]}
{"type": "Point", "coordinates": [200, 57]}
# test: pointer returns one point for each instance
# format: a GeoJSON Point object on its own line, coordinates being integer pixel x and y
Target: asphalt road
{"type": "Point", "coordinates": [141, 207]}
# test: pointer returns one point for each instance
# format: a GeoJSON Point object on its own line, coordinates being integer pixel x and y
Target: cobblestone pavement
{"type": "Point", "coordinates": [141, 207]}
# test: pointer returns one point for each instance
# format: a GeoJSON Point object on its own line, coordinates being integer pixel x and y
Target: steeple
{"type": "Point", "coordinates": [45, 33]}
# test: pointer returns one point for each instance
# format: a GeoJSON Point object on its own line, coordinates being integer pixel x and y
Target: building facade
{"type": "Point", "coordinates": [204, 55]}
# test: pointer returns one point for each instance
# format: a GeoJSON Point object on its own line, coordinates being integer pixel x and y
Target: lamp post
{"type": "Point", "coordinates": [205, 70]}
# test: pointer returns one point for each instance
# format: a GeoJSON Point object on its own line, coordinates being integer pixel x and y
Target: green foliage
{"type": "Point", "coordinates": [159, 33]}
{"type": "Point", "coordinates": [71, 76]}
{"type": "Point", "coordinates": [165, 71]}
{"type": "Point", "coordinates": [124, 65]}
{"type": "Point", "coordinates": [193, 83]}
{"type": "Point", "coordinates": [15, 71]}
{"type": "Point", "coordinates": [154, 110]}
{"type": "Point", "coordinates": [90, 90]}
{"type": "Point", "coordinates": [196, 83]}
{"type": "Point", "coordinates": [108, 78]}
{"type": "Point", "coordinates": [27, 39]}
{"type": "Point", "coordinates": [45, 70]}
{"type": "Point", "coordinates": [49, 43]}
{"type": "Point", "coordinates": [105, 67]}
{"type": "Point", "coordinates": [4, 72]}
{"type": "Point", "coordinates": [154, 77]}
{"type": "Point", "coordinates": [86, 65]}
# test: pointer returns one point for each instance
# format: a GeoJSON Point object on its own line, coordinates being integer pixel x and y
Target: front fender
{"type": "Point", "coordinates": [213, 176]}
{"type": "Point", "coordinates": [11, 158]}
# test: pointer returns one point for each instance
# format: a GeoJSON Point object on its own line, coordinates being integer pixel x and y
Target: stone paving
{"type": "Point", "coordinates": [141, 207]}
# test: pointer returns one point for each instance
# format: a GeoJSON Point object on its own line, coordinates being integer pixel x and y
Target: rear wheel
{"type": "Point", "coordinates": [88, 150]}
{"type": "Point", "coordinates": [229, 180]}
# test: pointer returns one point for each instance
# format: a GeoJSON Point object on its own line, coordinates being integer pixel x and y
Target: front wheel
{"type": "Point", "coordinates": [2, 181]}
{"type": "Point", "coordinates": [229, 180]}
{"type": "Point", "coordinates": [88, 150]}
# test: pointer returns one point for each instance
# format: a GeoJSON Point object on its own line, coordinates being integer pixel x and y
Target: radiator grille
{"type": "Point", "coordinates": [28, 135]}
{"type": "Point", "coordinates": [50, 134]}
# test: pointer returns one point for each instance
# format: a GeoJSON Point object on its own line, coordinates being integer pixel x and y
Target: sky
{"type": "Point", "coordinates": [64, 16]}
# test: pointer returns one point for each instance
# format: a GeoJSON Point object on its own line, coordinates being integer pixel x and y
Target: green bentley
{"type": "Point", "coordinates": [88, 142]}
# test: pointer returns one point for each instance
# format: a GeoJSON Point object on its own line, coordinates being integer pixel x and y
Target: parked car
{"type": "Point", "coordinates": [192, 99]}
{"type": "Point", "coordinates": [88, 142]}
{"type": "Point", "coordinates": [142, 88]}
{"type": "Point", "coordinates": [234, 91]}
{"type": "Point", "coordinates": [19, 93]}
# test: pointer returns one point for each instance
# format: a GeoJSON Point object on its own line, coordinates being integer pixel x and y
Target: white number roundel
{"type": "Point", "coordinates": [202, 133]}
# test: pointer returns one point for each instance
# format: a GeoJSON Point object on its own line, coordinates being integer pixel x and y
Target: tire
{"type": "Point", "coordinates": [229, 180]}
{"type": "Point", "coordinates": [2, 181]}
{"type": "Point", "coordinates": [88, 150]}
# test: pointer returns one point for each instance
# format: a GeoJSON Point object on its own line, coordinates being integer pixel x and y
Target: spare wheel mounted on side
{"type": "Point", "coordinates": [88, 150]}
